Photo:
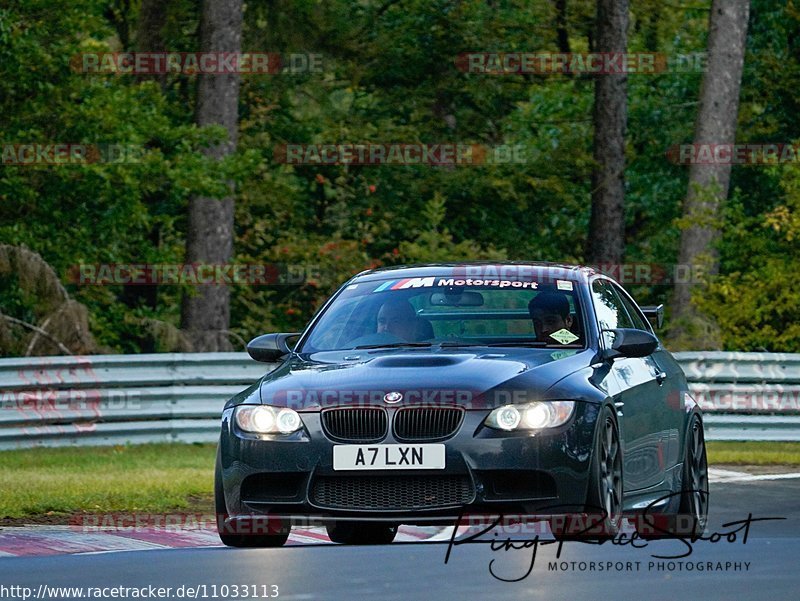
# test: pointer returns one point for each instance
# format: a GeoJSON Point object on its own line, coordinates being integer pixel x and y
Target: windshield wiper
{"type": "Point", "coordinates": [520, 344]}
{"type": "Point", "coordinates": [526, 343]}
{"type": "Point", "coordinates": [533, 343]}
{"type": "Point", "coordinates": [537, 344]}
{"type": "Point", "coordinates": [394, 345]}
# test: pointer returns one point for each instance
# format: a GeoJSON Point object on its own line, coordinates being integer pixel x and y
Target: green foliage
{"type": "Point", "coordinates": [435, 243]}
{"type": "Point", "coordinates": [758, 307]}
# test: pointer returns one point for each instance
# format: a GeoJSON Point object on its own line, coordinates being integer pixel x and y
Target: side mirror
{"type": "Point", "coordinates": [269, 347]}
{"type": "Point", "coordinates": [629, 342]}
{"type": "Point", "coordinates": [655, 315]}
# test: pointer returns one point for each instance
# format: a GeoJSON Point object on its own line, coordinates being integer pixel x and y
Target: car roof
{"type": "Point", "coordinates": [482, 269]}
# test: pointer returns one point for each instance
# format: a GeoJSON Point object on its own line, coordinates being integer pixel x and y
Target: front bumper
{"type": "Point", "coordinates": [487, 472]}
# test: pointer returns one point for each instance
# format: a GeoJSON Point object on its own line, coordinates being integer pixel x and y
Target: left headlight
{"type": "Point", "coordinates": [531, 416]}
{"type": "Point", "coordinates": [263, 419]}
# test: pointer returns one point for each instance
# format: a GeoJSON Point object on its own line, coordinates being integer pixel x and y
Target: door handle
{"type": "Point", "coordinates": [660, 377]}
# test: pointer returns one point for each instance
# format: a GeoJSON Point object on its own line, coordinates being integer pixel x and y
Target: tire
{"type": "Point", "coordinates": [361, 533]}
{"type": "Point", "coordinates": [692, 514]}
{"type": "Point", "coordinates": [240, 540]}
{"type": "Point", "coordinates": [604, 495]}
{"type": "Point", "coordinates": [694, 485]}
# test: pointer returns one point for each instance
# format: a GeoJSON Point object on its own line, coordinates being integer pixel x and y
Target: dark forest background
{"type": "Point", "coordinates": [388, 75]}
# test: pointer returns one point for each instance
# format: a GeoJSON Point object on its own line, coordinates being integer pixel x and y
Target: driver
{"type": "Point", "coordinates": [549, 312]}
{"type": "Point", "coordinates": [398, 317]}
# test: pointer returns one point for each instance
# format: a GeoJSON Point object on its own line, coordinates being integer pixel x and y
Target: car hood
{"type": "Point", "coordinates": [423, 377]}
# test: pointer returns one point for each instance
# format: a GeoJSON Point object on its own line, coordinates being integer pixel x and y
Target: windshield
{"type": "Point", "coordinates": [449, 311]}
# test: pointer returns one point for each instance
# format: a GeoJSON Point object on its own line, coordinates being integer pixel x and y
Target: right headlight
{"type": "Point", "coordinates": [263, 419]}
{"type": "Point", "coordinates": [531, 416]}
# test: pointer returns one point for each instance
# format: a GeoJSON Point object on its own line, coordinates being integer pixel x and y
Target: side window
{"type": "Point", "coordinates": [637, 319]}
{"type": "Point", "coordinates": [610, 312]}
{"type": "Point", "coordinates": [353, 317]}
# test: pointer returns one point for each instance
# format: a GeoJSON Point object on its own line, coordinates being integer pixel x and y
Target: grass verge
{"type": "Point", "coordinates": [753, 453]}
{"type": "Point", "coordinates": [142, 478]}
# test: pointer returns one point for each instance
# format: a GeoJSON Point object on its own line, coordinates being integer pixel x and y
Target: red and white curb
{"type": "Point", "coordinates": [59, 540]}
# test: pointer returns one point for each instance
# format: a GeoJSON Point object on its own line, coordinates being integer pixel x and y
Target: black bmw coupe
{"type": "Point", "coordinates": [418, 395]}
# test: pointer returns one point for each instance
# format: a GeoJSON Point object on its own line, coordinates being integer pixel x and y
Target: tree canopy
{"type": "Point", "coordinates": [388, 74]}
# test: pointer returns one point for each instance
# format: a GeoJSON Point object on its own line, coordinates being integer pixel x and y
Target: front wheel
{"type": "Point", "coordinates": [361, 533]}
{"type": "Point", "coordinates": [604, 498]}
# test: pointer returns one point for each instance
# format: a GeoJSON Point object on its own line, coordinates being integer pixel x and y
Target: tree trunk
{"type": "Point", "coordinates": [562, 35]}
{"type": "Point", "coordinates": [149, 32]}
{"type": "Point", "coordinates": [708, 184]}
{"type": "Point", "coordinates": [206, 314]}
{"type": "Point", "coordinates": [149, 38]}
{"type": "Point", "coordinates": [606, 242]}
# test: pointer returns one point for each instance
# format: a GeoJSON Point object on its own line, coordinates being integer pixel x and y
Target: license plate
{"type": "Point", "coordinates": [388, 457]}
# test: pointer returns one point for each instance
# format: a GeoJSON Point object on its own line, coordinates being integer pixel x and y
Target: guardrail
{"type": "Point", "coordinates": [746, 396]}
{"type": "Point", "coordinates": [119, 399]}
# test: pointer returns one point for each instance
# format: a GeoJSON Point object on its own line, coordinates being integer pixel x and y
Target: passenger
{"type": "Point", "coordinates": [549, 312]}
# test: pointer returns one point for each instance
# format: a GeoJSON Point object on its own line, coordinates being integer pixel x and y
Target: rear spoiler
{"type": "Point", "coordinates": [654, 314]}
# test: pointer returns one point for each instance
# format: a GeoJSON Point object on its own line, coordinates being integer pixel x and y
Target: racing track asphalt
{"type": "Point", "coordinates": [409, 571]}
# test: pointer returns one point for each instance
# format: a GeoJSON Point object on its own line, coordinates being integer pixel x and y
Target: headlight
{"type": "Point", "coordinates": [263, 419]}
{"type": "Point", "coordinates": [531, 416]}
